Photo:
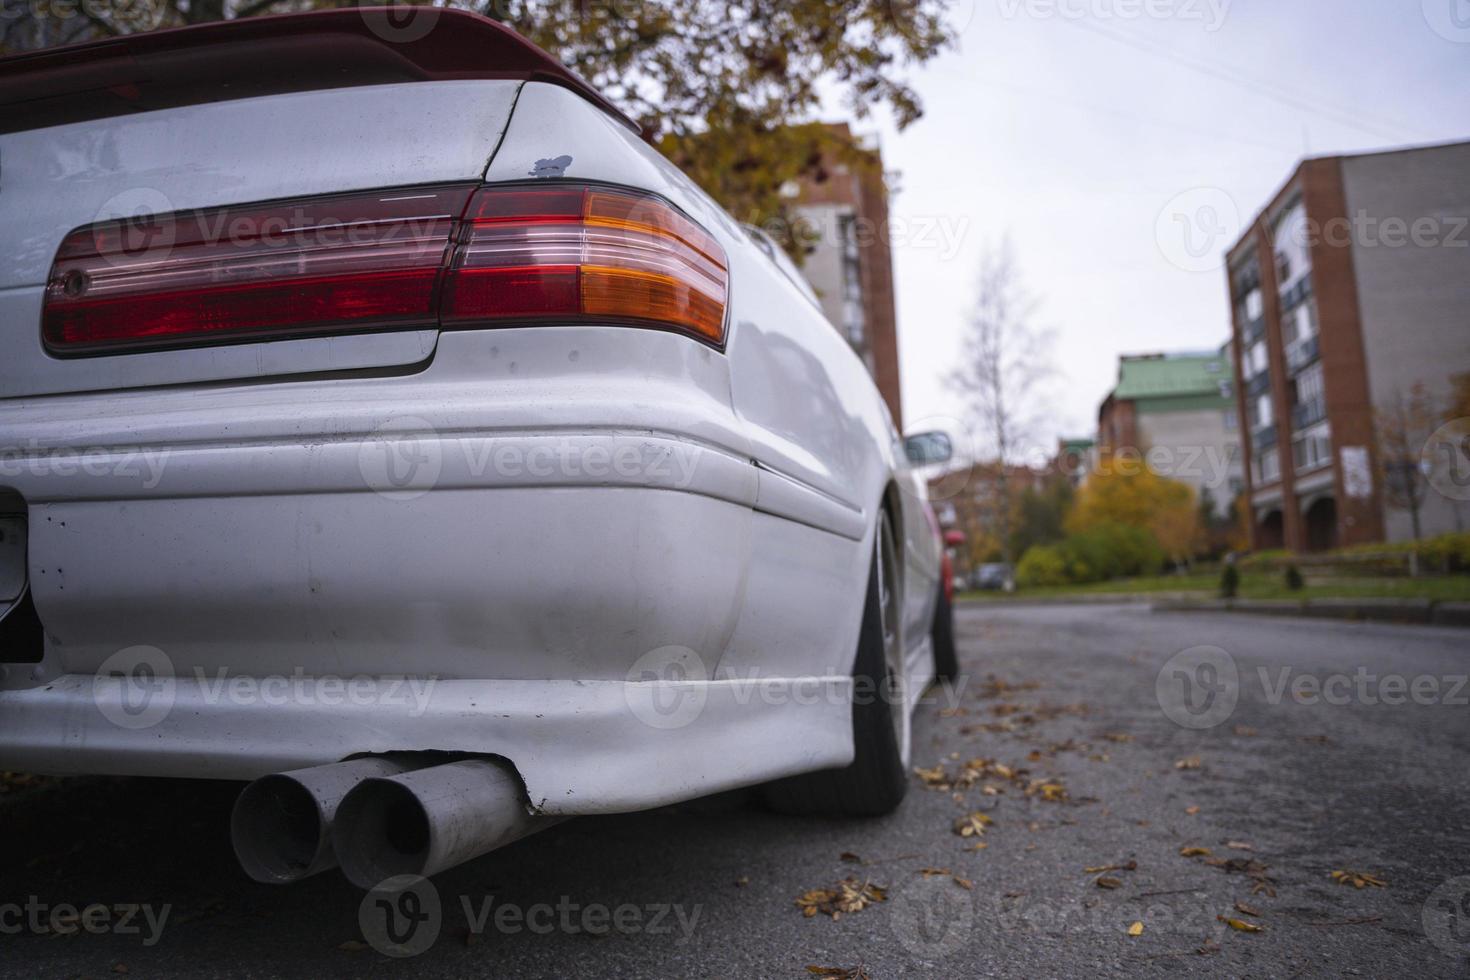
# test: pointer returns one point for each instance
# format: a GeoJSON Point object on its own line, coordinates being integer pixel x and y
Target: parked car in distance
{"type": "Point", "coordinates": [386, 423]}
{"type": "Point", "coordinates": [994, 576]}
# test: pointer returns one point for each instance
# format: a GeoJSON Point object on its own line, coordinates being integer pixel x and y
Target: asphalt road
{"type": "Point", "coordinates": [1282, 784]}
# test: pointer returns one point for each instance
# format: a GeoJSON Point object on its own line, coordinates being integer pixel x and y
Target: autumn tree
{"type": "Point", "coordinates": [1125, 491]}
{"type": "Point", "coordinates": [1403, 425]}
{"type": "Point", "coordinates": [1002, 365]}
{"type": "Point", "coordinates": [718, 85]}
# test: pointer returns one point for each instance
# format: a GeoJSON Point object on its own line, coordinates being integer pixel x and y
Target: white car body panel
{"type": "Point", "coordinates": [266, 543]}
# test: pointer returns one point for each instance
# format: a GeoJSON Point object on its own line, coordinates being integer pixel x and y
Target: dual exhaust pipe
{"type": "Point", "coordinates": [377, 818]}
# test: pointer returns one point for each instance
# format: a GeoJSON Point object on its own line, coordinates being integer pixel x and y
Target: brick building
{"type": "Point", "coordinates": [1351, 287]}
{"type": "Point", "coordinates": [1178, 412]}
{"type": "Point", "coordinates": [850, 261]}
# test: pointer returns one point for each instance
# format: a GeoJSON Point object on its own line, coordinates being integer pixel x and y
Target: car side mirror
{"type": "Point", "coordinates": [928, 448]}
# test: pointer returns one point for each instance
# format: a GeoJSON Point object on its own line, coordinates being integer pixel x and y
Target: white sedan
{"type": "Point", "coordinates": [383, 421]}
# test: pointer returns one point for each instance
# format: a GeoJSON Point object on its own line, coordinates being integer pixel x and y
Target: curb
{"type": "Point", "coordinates": [1403, 611]}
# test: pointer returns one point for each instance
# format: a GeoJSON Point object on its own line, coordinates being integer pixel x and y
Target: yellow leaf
{"type": "Point", "coordinates": [1190, 762]}
{"type": "Point", "coordinates": [1136, 929]}
{"type": "Point", "coordinates": [973, 825]}
{"type": "Point", "coordinates": [1106, 882]}
{"type": "Point", "coordinates": [1239, 925]}
{"type": "Point", "coordinates": [1190, 852]}
{"type": "Point", "coordinates": [1358, 879]}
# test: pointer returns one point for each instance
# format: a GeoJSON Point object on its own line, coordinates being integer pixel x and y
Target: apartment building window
{"type": "Point", "coordinates": [1267, 467]}
{"type": "Point", "coordinates": [1260, 411]}
{"type": "Point", "coordinates": [852, 282]}
{"type": "Point", "coordinates": [1312, 448]}
{"type": "Point", "coordinates": [1293, 247]}
{"type": "Point", "coordinates": [1255, 359]}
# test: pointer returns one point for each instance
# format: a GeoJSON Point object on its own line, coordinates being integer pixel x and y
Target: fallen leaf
{"type": "Point", "coordinates": [742, 881]}
{"type": "Point", "coordinates": [1106, 882]}
{"type": "Point", "coordinates": [1245, 909]}
{"type": "Point", "coordinates": [848, 896]}
{"type": "Point", "coordinates": [1239, 925]}
{"type": "Point", "coordinates": [1118, 737]}
{"type": "Point", "coordinates": [1190, 852]}
{"type": "Point", "coordinates": [1358, 879]}
{"type": "Point", "coordinates": [1136, 929]}
{"type": "Point", "coordinates": [849, 857]}
{"type": "Point", "coordinates": [1191, 810]}
{"type": "Point", "coordinates": [1245, 731]}
{"type": "Point", "coordinates": [119, 968]}
{"type": "Point", "coordinates": [1129, 866]}
{"type": "Point", "coordinates": [964, 883]}
{"type": "Point", "coordinates": [840, 972]}
{"type": "Point", "coordinates": [973, 825]}
{"type": "Point", "coordinates": [1189, 762]}
{"type": "Point", "coordinates": [352, 946]}
{"type": "Point", "coordinates": [1239, 845]}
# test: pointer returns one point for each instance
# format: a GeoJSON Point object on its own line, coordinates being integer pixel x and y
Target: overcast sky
{"type": "Point", "coordinates": [1082, 127]}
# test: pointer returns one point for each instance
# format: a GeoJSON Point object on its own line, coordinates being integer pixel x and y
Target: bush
{"type": "Point", "coordinates": [1294, 578]}
{"type": "Point", "coordinates": [1447, 552]}
{"type": "Point", "coordinates": [1110, 550]}
{"type": "Point", "coordinates": [1041, 566]}
{"type": "Point", "coordinates": [1229, 582]}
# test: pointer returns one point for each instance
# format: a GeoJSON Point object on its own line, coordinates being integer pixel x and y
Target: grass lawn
{"type": "Point", "coordinates": [1255, 585]}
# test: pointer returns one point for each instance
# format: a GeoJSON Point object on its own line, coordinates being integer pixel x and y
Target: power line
{"type": "Point", "coordinates": [1235, 76]}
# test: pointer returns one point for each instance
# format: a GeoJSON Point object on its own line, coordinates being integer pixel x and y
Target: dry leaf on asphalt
{"type": "Point", "coordinates": [1189, 762]}
{"type": "Point", "coordinates": [1136, 929]}
{"type": "Point", "coordinates": [848, 896]}
{"type": "Point", "coordinates": [973, 825]}
{"type": "Point", "coordinates": [1118, 737]}
{"type": "Point", "coordinates": [1106, 882]}
{"type": "Point", "coordinates": [964, 883]}
{"type": "Point", "coordinates": [1190, 852]}
{"type": "Point", "coordinates": [1239, 845]}
{"type": "Point", "coordinates": [1239, 925]}
{"type": "Point", "coordinates": [1245, 909]}
{"type": "Point", "coordinates": [352, 946]}
{"type": "Point", "coordinates": [1191, 810]}
{"type": "Point", "coordinates": [840, 972]}
{"type": "Point", "coordinates": [1099, 869]}
{"type": "Point", "coordinates": [1357, 879]}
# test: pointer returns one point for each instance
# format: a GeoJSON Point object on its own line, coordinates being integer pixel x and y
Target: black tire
{"type": "Point", "coordinates": [876, 780]}
{"type": "Point", "coordinates": [946, 659]}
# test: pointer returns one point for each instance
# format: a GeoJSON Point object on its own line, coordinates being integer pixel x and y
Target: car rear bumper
{"type": "Point", "coordinates": [528, 528]}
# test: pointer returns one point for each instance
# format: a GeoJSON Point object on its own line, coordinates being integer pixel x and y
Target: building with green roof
{"type": "Point", "coordinates": [1178, 412]}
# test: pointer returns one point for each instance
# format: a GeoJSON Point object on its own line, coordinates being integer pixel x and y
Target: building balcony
{"type": "Point", "coordinates": [1254, 330]}
{"type": "Point", "coordinates": [1302, 354]}
{"type": "Point", "coordinates": [1263, 438]}
{"type": "Point", "coordinates": [1258, 385]}
{"type": "Point", "coordinates": [1308, 413]}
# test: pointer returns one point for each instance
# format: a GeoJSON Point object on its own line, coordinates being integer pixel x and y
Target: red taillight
{"type": "Point", "coordinates": [355, 262]}
{"type": "Point", "coordinates": [573, 254]}
{"type": "Point", "coordinates": [542, 254]}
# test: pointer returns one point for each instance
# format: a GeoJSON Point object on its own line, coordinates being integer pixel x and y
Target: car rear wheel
{"type": "Point", "coordinates": [876, 780]}
{"type": "Point", "coordinates": [946, 659]}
